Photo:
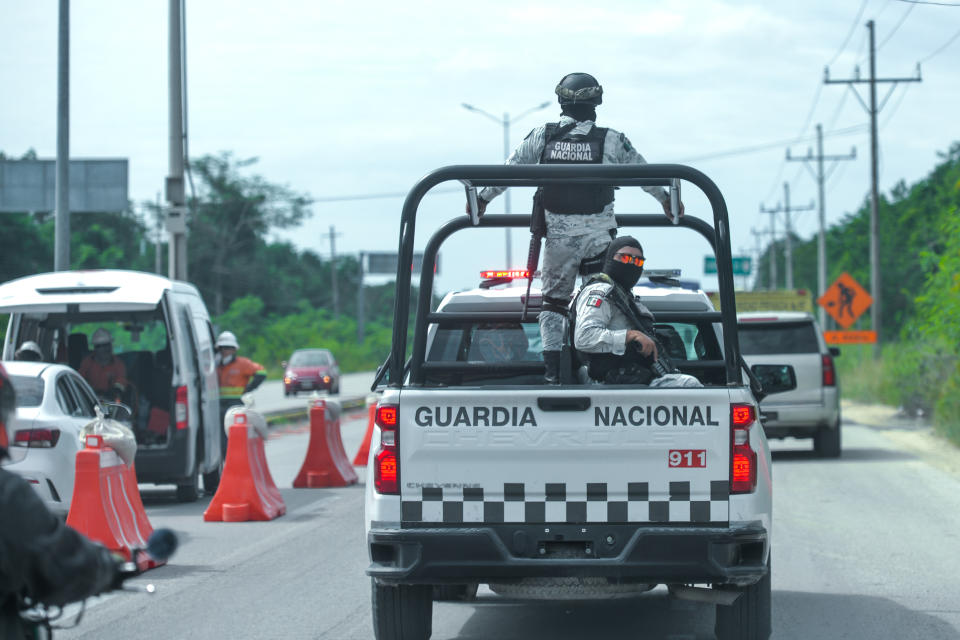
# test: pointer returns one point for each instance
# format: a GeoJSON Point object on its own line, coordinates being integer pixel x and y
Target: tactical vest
{"type": "Point", "coordinates": [562, 147]}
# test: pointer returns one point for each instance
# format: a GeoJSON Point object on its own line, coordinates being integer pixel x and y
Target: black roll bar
{"type": "Point", "coordinates": [531, 176]}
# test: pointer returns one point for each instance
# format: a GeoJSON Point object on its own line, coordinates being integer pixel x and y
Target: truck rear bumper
{"type": "Point", "coordinates": [628, 553]}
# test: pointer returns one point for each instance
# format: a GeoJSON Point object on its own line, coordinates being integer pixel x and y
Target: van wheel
{"type": "Point", "coordinates": [749, 617]}
{"type": "Point", "coordinates": [189, 490]}
{"type": "Point", "coordinates": [455, 592]}
{"type": "Point", "coordinates": [826, 442]}
{"type": "Point", "coordinates": [402, 612]}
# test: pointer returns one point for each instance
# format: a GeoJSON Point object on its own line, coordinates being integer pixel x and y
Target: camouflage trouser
{"type": "Point", "coordinates": [561, 263]}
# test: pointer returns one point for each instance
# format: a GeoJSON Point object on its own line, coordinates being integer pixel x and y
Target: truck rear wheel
{"type": "Point", "coordinates": [826, 442]}
{"type": "Point", "coordinates": [749, 617]}
{"type": "Point", "coordinates": [402, 612]}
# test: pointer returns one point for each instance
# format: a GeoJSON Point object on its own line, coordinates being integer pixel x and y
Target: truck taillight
{"type": "Point", "coordinates": [743, 459]}
{"type": "Point", "coordinates": [181, 409]}
{"type": "Point", "coordinates": [36, 438]}
{"type": "Point", "coordinates": [386, 470]}
{"type": "Point", "coordinates": [829, 373]}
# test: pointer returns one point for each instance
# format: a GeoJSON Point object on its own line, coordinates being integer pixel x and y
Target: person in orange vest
{"type": "Point", "coordinates": [237, 375]}
{"type": "Point", "coordinates": [105, 372]}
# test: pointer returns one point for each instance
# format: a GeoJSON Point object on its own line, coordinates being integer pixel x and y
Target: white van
{"type": "Point", "coordinates": [161, 332]}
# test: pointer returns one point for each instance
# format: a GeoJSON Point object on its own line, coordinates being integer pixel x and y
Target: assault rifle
{"type": "Point", "coordinates": [538, 229]}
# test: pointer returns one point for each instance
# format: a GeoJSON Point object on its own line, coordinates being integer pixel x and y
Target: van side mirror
{"type": "Point", "coordinates": [775, 378]}
{"type": "Point", "coordinates": [835, 351]}
{"type": "Point", "coordinates": [283, 363]}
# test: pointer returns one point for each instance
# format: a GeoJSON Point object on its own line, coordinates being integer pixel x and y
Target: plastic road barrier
{"type": "Point", "coordinates": [106, 504]}
{"type": "Point", "coordinates": [360, 460]}
{"type": "Point", "coordinates": [326, 464]}
{"type": "Point", "coordinates": [246, 491]}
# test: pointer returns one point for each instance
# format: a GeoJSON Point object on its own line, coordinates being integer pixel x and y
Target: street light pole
{"type": "Point", "coordinates": [505, 122]}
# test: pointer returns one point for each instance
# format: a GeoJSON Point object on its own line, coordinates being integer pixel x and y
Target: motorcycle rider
{"type": "Point", "coordinates": [41, 559]}
{"type": "Point", "coordinates": [579, 218]}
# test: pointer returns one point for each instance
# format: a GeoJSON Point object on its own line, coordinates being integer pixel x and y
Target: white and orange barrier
{"type": "Point", "coordinates": [246, 491]}
{"type": "Point", "coordinates": [106, 504]}
{"type": "Point", "coordinates": [360, 460]}
{"type": "Point", "coordinates": [326, 464]}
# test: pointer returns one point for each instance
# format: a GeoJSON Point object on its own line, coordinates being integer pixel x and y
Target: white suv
{"type": "Point", "coordinates": [812, 410]}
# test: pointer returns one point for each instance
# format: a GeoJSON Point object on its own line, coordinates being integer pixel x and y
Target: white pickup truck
{"type": "Point", "coordinates": [479, 473]}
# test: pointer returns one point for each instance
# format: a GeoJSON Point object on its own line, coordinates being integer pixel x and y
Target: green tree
{"type": "Point", "coordinates": [232, 214]}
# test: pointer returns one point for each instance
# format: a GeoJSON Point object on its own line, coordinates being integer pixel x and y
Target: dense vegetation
{"type": "Point", "coordinates": [274, 297]}
{"type": "Point", "coordinates": [919, 367]}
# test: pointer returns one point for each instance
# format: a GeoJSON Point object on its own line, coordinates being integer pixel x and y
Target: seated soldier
{"type": "Point", "coordinates": [613, 332]}
{"type": "Point", "coordinates": [105, 372]}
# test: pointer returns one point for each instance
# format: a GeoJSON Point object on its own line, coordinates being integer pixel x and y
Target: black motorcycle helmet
{"type": "Point", "coordinates": [579, 88]}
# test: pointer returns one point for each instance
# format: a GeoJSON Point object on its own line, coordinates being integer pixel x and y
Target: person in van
{"type": "Point", "coordinates": [105, 372]}
{"type": "Point", "coordinates": [29, 351]}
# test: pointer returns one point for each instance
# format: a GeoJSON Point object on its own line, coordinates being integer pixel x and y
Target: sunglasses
{"type": "Point", "coordinates": [626, 258]}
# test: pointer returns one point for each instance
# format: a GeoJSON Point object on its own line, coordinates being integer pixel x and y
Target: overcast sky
{"type": "Point", "coordinates": [344, 98]}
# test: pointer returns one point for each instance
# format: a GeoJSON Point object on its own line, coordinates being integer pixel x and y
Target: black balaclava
{"type": "Point", "coordinates": [626, 275]}
{"type": "Point", "coordinates": [579, 112]}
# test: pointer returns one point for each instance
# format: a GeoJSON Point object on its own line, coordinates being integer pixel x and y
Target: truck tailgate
{"type": "Point", "coordinates": [564, 456]}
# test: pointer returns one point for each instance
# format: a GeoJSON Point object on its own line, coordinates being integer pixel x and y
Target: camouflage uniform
{"type": "Point", "coordinates": [571, 238]}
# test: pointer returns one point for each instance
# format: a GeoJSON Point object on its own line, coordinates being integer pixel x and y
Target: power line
{"type": "Point", "coordinates": [903, 19]}
{"type": "Point", "coordinates": [940, 4]}
{"type": "Point", "coordinates": [941, 48]}
{"type": "Point", "coordinates": [376, 196]}
{"type": "Point", "coordinates": [771, 145]}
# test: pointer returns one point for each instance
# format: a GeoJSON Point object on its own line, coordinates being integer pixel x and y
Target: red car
{"type": "Point", "coordinates": [309, 370]}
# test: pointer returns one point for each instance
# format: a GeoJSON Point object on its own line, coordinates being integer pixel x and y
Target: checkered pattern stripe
{"type": "Point", "coordinates": [521, 503]}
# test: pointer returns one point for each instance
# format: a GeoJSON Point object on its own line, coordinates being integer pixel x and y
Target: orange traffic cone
{"type": "Point", "coordinates": [246, 491]}
{"type": "Point", "coordinates": [326, 464]}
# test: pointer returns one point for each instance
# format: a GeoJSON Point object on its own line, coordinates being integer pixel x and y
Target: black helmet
{"type": "Point", "coordinates": [579, 88]}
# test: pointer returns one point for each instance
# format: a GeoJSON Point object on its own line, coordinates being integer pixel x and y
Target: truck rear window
{"type": "Point", "coordinates": [777, 338]}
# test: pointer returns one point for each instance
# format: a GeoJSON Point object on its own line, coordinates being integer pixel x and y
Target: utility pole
{"type": "Point", "coordinates": [61, 232]}
{"type": "Point", "coordinates": [757, 252]}
{"type": "Point", "coordinates": [361, 302]}
{"type": "Point", "coordinates": [157, 258]}
{"type": "Point", "coordinates": [772, 252]}
{"type": "Point", "coordinates": [788, 244]}
{"type": "Point", "coordinates": [506, 122]}
{"type": "Point", "coordinates": [818, 175]}
{"type": "Point", "coordinates": [176, 195]}
{"type": "Point", "coordinates": [873, 80]}
{"type": "Point", "coordinates": [332, 234]}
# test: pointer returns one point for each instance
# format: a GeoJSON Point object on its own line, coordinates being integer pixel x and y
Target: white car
{"type": "Point", "coordinates": [53, 404]}
{"type": "Point", "coordinates": [812, 410]}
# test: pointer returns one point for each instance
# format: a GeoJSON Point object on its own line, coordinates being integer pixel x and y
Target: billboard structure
{"type": "Point", "coordinates": [95, 185]}
{"type": "Point", "coordinates": [385, 262]}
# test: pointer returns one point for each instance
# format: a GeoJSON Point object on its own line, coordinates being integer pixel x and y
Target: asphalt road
{"type": "Point", "coordinates": [269, 396]}
{"type": "Point", "coordinates": [865, 547]}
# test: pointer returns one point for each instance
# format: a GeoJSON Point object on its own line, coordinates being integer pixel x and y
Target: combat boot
{"type": "Point", "coordinates": [552, 361]}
